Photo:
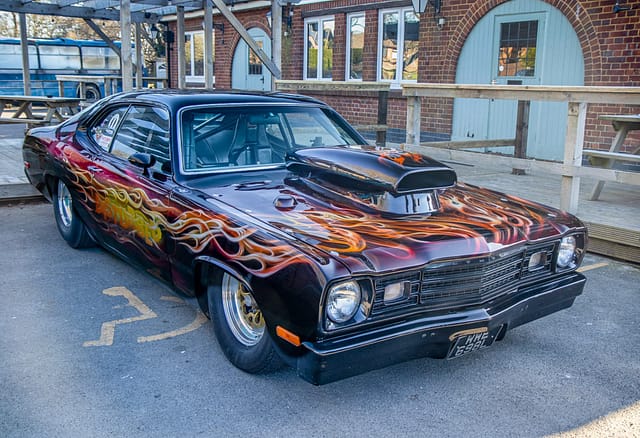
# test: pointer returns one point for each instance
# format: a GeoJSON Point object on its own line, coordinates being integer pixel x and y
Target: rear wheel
{"type": "Point", "coordinates": [240, 327]}
{"type": "Point", "coordinates": [71, 228]}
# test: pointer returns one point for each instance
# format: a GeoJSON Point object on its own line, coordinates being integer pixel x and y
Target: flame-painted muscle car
{"type": "Point", "coordinates": [301, 243]}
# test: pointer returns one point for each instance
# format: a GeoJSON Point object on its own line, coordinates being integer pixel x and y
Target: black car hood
{"type": "Point", "coordinates": [469, 220]}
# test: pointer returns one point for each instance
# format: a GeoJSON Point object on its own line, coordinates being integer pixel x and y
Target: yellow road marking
{"type": "Point", "coordinates": [594, 266]}
{"type": "Point", "coordinates": [108, 328]}
{"type": "Point", "coordinates": [197, 323]}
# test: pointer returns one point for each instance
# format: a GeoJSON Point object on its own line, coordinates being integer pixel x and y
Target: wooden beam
{"type": "Point", "coordinates": [180, 44]}
{"type": "Point", "coordinates": [125, 49]}
{"type": "Point", "coordinates": [208, 45]}
{"type": "Point", "coordinates": [559, 93]}
{"type": "Point", "coordinates": [288, 85]}
{"type": "Point", "coordinates": [103, 36]}
{"type": "Point", "coordinates": [24, 46]}
{"type": "Point", "coordinates": [276, 37]}
{"type": "Point", "coordinates": [478, 158]}
{"type": "Point", "coordinates": [73, 11]}
{"type": "Point", "coordinates": [470, 144]}
{"type": "Point", "coordinates": [224, 10]}
{"type": "Point", "coordinates": [574, 141]}
{"type": "Point", "coordinates": [138, 68]}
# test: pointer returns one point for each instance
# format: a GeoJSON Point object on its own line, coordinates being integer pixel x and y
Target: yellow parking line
{"type": "Point", "coordinates": [108, 328]}
{"type": "Point", "coordinates": [594, 266]}
{"type": "Point", "coordinates": [199, 321]}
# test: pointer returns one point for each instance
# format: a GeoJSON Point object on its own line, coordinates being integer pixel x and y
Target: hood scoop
{"type": "Point", "coordinates": [385, 180]}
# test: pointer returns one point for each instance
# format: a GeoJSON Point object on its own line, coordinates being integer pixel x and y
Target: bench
{"type": "Point", "coordinates": [8, 120]}
{"type": "Point", "coordinates": [622, 124]}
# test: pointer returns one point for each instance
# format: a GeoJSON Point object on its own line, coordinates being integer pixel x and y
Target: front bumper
{"type": "Point", "coordinates": [336, 359]}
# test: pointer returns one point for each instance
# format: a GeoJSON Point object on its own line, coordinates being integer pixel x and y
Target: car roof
{"type": "Point", "coordinates": [180, 98]}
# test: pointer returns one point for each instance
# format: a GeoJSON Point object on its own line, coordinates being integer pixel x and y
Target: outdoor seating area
{"type": "Point", "coordinates": [23, 109]}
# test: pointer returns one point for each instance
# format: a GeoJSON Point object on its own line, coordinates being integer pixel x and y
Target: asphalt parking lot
{"type": "Point", "coordinates": [90, 346]}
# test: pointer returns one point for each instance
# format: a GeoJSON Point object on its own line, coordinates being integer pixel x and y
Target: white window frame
{"type": "Point", "coordinates": [199, 79]}
{"type": "Point", "coordinates": [395, 83]}
{"type": "Point", "coordinates": [347, 69]}
{"type": "Point", "coordinates": [320, 21]}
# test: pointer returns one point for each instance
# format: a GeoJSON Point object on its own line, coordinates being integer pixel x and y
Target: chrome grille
{"type": "Point", "coordinates": [463, 283]}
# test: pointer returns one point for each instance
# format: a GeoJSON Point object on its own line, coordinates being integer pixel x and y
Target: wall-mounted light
{"type": "Point", "coordinates": [153, 31]}
{"type": "Point", "coordinates": [421, 5]}
{"type": "Point", "coordinates": [617, 8]}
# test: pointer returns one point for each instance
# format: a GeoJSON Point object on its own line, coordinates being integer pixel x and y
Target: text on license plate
{"type": "Point", "coordinates": [472, 341]}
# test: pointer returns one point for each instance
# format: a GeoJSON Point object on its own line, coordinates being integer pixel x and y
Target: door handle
{"type": "Point", "coordinates": [94, 169]}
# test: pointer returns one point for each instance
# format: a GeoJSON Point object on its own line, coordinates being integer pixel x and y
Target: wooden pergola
{"type": "Point", "coordinates": [136, 12]}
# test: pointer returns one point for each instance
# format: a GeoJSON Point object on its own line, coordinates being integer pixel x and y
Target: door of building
{"type": "Point", "coordinates": [248, 71]}
{"type": "Point", "coordinates": [518, 43]}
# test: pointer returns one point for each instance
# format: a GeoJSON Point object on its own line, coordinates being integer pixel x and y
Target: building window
{"type": "Point", "coordinates": [355, 46]}
{"type": "Point", "coordinates": [399, 45]}
{"type": "Point", "coordinates": [517, 55]}
{"type": "Point", "coordinates": [194, 56]}
{"type": "Point", "coordinates": [255, 63]}
{"type": "Point", "coordinates": [318, 54]}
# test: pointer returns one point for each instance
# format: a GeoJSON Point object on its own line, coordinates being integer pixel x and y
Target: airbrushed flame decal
{"type": "Point", "coordinates": [198, 231]}
{"type": "Point", "coordinates": [480, 217]}
{"type": "Point", "coordinates": [475, 217]}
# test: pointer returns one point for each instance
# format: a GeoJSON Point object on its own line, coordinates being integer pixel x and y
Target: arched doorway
{"type": "Point", "coordinates": [248, 72]}
{"type": "Point", "coordinates": [521, 42]}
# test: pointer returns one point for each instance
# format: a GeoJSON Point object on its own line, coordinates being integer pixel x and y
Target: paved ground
{"type": "Point", "coordinates": [576, 372]}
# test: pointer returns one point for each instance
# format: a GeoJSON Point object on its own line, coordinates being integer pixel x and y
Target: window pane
{"type": "Point", "coordinates": [517, 55]}
{"type": "Point", "coordinates": [327, 48]}
{"type": "Point", "coordinates": [188, 44]}
{"type": "Point", "coordinates": [99, 58]}
{"type": "Point", "coordinates": [312, 50]}
{"type": "Point", "coordinates": [60, 57]}
{"type": "Point", "coordinates": [389, 45]}
{"type": "Point", "coordinates": [11, 56]}
{"type": "Point", "coordinates": [255, 63]}
{"type": "Point", "coordinates": [356, 48]}
{"type": "Point", "coordinates": [145, 130]}
{"type": "Point", "coordinates": [411, 46]}
{"type": "Point", "coordinates": [104, 131]}
{"type": "Point", "coordinates": [198, 54]}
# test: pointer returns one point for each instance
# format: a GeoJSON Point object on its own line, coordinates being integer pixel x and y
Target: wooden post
{"type": "Point", "coordinates": [24, 45]}
{"type": "Point", "coordinates": [522, 132]}
{"type": "Point", "coordinates": [574, 140]}
{"type": "Point", "coordinates": [413, 119]}
{"type": "Point", "coordinates": [139, 61]}
{"type": "Point", "coordinates": [125, 48]}
{"type": "Point", "coordinates": [383, 101]}
{"type": "Point", "coordinates": [180, 40]}
{"type": "Point", "coordinates": [276, 37]}
{"type": "Point", "coordinates": [208, 45]}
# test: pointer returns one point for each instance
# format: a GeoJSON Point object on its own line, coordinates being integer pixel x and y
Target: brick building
{"type": "Point", "coordinates": [554, 42]}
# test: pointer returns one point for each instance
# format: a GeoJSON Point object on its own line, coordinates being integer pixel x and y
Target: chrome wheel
{"type": "Point", "coordinates": [241, 312]}
{"type": "Point", "coordinates": [65, 204]}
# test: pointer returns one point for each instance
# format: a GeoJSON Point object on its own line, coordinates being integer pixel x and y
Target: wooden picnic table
{"type": "Point", "coordinates": [622, 124]}
{"type": "Point", "coordinates": [24, 113]}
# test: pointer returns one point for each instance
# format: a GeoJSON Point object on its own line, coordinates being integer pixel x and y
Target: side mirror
{"type": "Point", "coordinates": [142, 160]}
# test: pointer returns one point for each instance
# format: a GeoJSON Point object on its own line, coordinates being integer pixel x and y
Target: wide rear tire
{"type": "Point", "coordinates": [240, 327]}
{"type": "Point", "coordinates": [71, 228]}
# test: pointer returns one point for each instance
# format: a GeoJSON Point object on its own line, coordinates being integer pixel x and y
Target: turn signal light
{"type": "Point", "coordinates": [288, 336]}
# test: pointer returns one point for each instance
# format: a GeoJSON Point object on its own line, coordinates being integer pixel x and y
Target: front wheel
{"type": "Point", "coordinates": [71, 228]}
{"type": "Point", "coordinates": [239, 326]}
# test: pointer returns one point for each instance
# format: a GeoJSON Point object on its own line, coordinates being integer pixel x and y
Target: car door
{"type": "Point", "coordinates": [131, 200]}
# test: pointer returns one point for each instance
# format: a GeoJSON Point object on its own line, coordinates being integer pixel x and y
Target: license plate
{"type": "Point", "coordinates": [469, 341]}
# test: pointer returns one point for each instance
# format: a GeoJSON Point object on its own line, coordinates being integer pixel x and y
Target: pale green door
{"type": "Point", "coordinates": [248, 72]}
{"type": "Point", "coordinates": [518, 43]}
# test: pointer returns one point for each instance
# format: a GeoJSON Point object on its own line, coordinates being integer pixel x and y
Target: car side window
{"type": "Point", "coordinates": [145, 129]}
{"type": "Point", "coordinates": [104, 131]}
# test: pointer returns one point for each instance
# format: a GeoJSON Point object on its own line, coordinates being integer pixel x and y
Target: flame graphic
{"type": "Point", "coordinates": [147, 220]}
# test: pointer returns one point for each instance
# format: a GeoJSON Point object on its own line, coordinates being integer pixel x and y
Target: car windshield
{"type": "Point", "coordinates": [221, 137]}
